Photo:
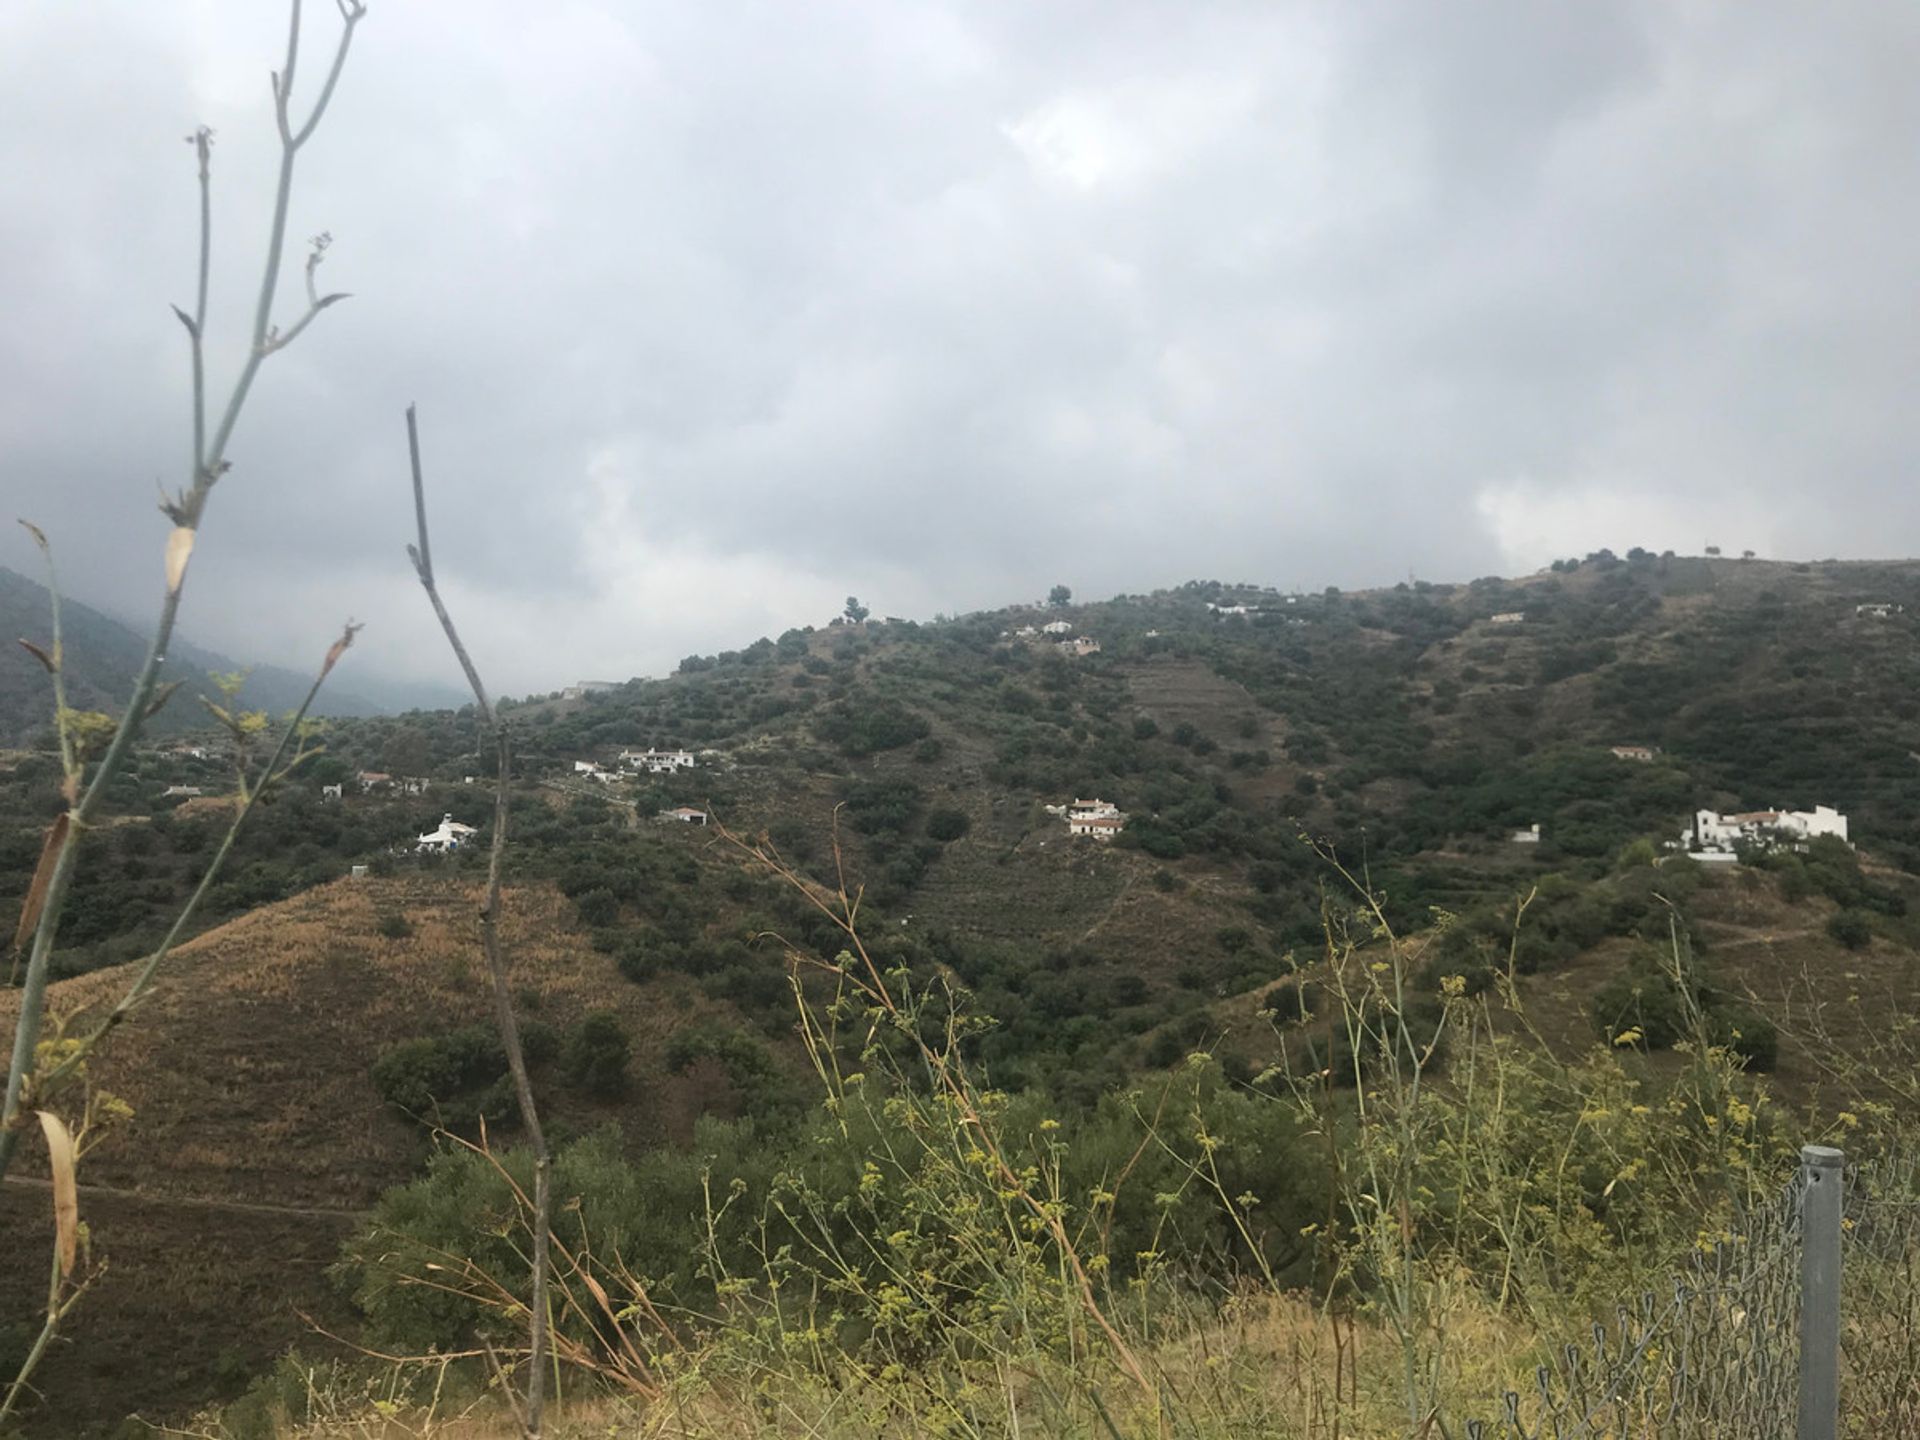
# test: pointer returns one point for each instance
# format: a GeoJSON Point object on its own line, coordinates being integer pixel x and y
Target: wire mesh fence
{"type": "Point", "coordinates": [1732, 1349]}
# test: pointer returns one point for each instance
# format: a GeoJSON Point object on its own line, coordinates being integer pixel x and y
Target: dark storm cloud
{"type": "Point", "coordinates": [717, 312]}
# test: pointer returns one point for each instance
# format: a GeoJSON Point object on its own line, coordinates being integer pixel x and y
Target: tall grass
{"type": "Point", "coordinates": [1383, 1231]}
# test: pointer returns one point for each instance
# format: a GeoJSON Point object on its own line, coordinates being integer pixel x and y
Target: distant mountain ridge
{"type": "Point", "coordinates": [104, 654]}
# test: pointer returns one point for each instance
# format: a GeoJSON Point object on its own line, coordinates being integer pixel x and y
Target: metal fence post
{"type": "Point", "coordinates": [1821, 1181]}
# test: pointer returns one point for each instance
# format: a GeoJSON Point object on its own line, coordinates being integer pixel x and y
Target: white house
{"type": "Point", "coordinates": [1642, 753]}
{"type": "Point", "coordinates": [450, 836]}
{"type": "Point", "coordinates": [413, 784]}
{"type": "Point", "coordinates": [1057, 627]}
{"type": "Point", "coordinates": [1025, 632]}
{"type": "Point", "coordinates": [1879, 610]}
{"type": "Point", "coordinates": [1100, 819]}
{"type": "Point", "coordinates": [1528, 836]}
{"type": "Point", "coordinates": [1081, 645]}
{"type": "Point", "coordinates": [1507, 617]}
{"type": "Point", "coordinates": [188, 792]}
{"type": "Point", "coordinates": [1713, 832]}
{"type": "Point", "coordinates": [588, 687]}
{"type": "Point", "coordinates": [657, 762]}
{"type": "Point", "coordinates": [331, 792]}
{"type": "Point", "coordinates": [590, 770]}
{"type": "Point", "coordinates": [685, 814]}
{"type": "Point", "coordinates": [373, 780]}
{"type": "Point", "coordinates": [1224, 610]}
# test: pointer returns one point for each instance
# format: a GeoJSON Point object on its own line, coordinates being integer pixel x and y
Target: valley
{"type": "Point", "coordinates": [1318, 767]}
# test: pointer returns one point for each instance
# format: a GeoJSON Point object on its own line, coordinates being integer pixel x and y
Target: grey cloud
{"type": "Point", "coordinates": [717, 312]}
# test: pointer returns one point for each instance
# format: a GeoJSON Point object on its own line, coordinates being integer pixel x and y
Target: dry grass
{"type": "Point", "coordinates": [248, 1072]}
{"type": "Point", "coordinates": [248, 1068]}
{"type": "Point", "coordinates": [1271, 1367]}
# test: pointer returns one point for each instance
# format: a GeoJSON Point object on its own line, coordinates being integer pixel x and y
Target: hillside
{"type": "Point", "coordinates": [1403, 734]}
{"type": "Point", "coordinates": [103, 655]}
{"type": "Point", "coordinates": [259, 1136]}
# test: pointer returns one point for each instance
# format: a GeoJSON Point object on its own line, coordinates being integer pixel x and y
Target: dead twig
{"type": "Point", "coordinates": [422, 556]}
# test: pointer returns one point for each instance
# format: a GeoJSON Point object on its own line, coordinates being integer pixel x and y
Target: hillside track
{"type": "Point", "coordinates": [198, 1202]}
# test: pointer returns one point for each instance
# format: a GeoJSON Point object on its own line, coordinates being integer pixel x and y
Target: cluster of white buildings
{"type": "Point", "coordinates": [1715, 837]}
{"type": "Point", "coordinates": [1879, 610]}
{"type": "Point", "coordinates": [1061, 633]}
{"type": "Point", "coordinates": [657, 762]}
{"type": "Point", "coordinates": [372, 780]}
{"type": "Point", "coordinates": [1099, 819]}
{"type": "Point", "coordinates": [1222, 611]}
{"type": "Point", "coordinates": [653, 762]}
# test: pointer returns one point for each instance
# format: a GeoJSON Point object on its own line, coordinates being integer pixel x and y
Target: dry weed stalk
{"type": "Point", "coordinates": [54, 876]}
{"type": "Point", "coordinates": [38, 1069]}
{"type": "Point", "coordinates": [948, 1072]}
{"type": "Point", "coordinates": [539, 1320]}
{"type": "Point", "coordinates": [621, 1365]}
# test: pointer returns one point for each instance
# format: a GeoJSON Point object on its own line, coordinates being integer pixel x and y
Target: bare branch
{"type": "Point", "coordinates": [422, 553]}
{"type": "Point", "coordinates": [202, 142]}
{"type": "Point", "coordinates": [184, 510]}
{"type": "Point", "coordinates": [277, 341]}
{"type": "Point", "coordinates": [252, 793]}
{"type": "Point", "coordinates": [350, 16]}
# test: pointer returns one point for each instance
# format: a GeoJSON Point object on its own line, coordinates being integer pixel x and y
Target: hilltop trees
{"type": "Point", "coordinates": [855, 612]}
{"type": "Point", "coordinates": [1059, 596]}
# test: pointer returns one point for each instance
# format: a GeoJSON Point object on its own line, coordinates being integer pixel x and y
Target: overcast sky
{"type": "Point", "coordinates": [719, 311]}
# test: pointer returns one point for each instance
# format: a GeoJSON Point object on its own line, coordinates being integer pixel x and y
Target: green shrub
{"type": "Point", "coordinates": [1641, 999]}
{"type": "Point", "coordinates": [947, 824]}
{"type": "Point", "coordinates": [1754, 1038]}
{"type": "Point", "coordinates": [596, 1054]}
{"type": "Point", "coordinates": [638, 957]}
{"type": "Point", "coordinates": [395, 926]}
{"type": "Point", "coordinates": [882, 806]}
{"type": "Point", "coordinates": [539, 1041]}
{"type": "Point", "coordinates": [597, 907]}
{"type": "Point", "coordinates": [1851, 928]}
{"type": "Point", "coordinates": [435, 1070]}
{"type": "Point", "coordinates": [866, 728]}
{"type": "Point", "coordinates": [414, 1074]}
{"type": "Point", "coordinates": [1291, 1001]}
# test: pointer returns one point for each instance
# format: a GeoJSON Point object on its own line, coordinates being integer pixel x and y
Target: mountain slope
{"type": "Point", "coordinates": [103, 655]}
{"type": "Point", "coordinates": [1399, 734]}
{"type": "Point", "coordinates": [258, 1137]}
